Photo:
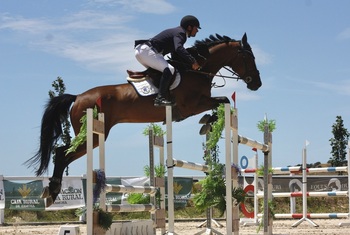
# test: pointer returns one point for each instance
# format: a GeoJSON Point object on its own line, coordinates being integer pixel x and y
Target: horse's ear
{"type": "Point", "coordinates": [244, 39]}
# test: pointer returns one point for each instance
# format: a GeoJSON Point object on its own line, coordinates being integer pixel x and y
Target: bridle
{"type": "Point", "coordinates": [246, 77]}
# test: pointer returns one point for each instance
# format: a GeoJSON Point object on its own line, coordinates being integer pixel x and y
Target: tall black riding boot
{"type": "Point", "coordinates": [161, 99]}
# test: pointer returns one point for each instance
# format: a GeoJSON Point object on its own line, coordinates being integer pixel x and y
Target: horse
{"type": "Point", "coordinates": [122, 104]}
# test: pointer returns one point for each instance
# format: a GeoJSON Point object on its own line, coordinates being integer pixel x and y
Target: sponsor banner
{"type": "Point", "coordinates": [182, 191]}
{"type": "Point", "coordinates": [71, 195]}
{"type": "Point", "coordinates": [114, 198]}
{"type": "Point", "coordinates": [2, 195]}
{"type": "Point", "coordinates": [141, 181]}
{"type": "Point", "coordinates": [23, 196]}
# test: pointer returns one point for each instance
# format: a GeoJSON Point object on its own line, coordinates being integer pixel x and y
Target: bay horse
{"type": "Point", "coordinates": [121, 104]}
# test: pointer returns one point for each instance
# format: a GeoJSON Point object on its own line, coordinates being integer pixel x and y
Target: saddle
{"type": "Point", "coordinates": [147, 82]}
{"type": "Point", "coordinates": [137, 74]}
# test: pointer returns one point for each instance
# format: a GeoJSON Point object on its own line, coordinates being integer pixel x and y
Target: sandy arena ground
{"type": "Point", "coordinates": [326, 226]}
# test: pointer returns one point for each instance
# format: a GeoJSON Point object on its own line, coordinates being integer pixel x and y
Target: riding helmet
{"type": "Point", "coordinates": [189, 20]}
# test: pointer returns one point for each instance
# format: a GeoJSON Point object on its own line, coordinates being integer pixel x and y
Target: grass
{"type": "Point", "coordinates": [315, 205]}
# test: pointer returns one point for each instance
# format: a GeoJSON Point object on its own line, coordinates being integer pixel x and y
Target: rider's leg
{"type": "Point", "coordinates": [161, 99]}
{"type": "Point", "coordinates": [150, 58]}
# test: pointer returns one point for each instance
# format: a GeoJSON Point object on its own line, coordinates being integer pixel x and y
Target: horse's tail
{"type": "Point", "coordinates": [56, 111]}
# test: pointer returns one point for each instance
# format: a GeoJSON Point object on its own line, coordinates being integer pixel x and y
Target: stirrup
{"type": "Point", "coordinates": [163, 102]}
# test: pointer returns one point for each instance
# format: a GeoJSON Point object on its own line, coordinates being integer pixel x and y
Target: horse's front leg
{"type": "Point", "coordinates": [210, 103]}
{"type": "Point", "coordinates": [207, 103]}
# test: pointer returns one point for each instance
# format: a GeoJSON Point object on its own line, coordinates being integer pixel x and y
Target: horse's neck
{"type": "Point", "coordinates": [220, 56]}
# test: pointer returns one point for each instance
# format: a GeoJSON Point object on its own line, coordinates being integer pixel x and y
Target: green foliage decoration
{"type": "Point", "coordinates": [105, 219]}
{"type": "Point", "coordinates": [81, 137]}
{"type": "Point", "coordinates": [157, 130]}
{"type": "Point", "coordinates": [271, 123]}
{"type": "Point", "coordinates": [160, 171]}
{"type": "Point", "coordinates": [271, 210]}
{"type": "Point", "coordinates": [138, 198]}
{"type": "Point", "coordinates": [213, 193]}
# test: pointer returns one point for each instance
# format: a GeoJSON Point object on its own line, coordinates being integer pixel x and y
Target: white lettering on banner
{"type": "Point", "coordinates": [319, 187]}
{"type": "Point", "coordinates": [16, 201]}
{"type": "Point", "coordinates": [344, 187]}
{"type": "Point", "coordinates": [25, 201]}
{"type": "Point", "coordinates": [71, 190]}
{"type": "Point", "coordinates": [277, 187]}
{"type": "Point", "coordinates": [71, 195]}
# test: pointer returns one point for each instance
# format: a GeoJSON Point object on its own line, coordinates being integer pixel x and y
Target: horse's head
{"type": "Point", "coordinates": [245, 66]}
{"type": "Point", "coordinates": [238, 55]}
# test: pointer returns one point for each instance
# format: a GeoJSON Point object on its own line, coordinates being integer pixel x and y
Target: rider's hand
{"type": "Point", "coordinates": [196, 66]}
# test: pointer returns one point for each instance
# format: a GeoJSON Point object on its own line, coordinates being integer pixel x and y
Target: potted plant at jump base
{"type": "Point", "coordinates": [102, 221]}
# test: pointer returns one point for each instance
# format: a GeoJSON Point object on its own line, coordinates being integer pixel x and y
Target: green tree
{"type": "Point", "coordinates": [59, 89]}
{"type": "Point", "coordinates": [339, 143]}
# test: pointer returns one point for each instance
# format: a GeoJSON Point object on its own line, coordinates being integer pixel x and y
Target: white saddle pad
{"type": "Point", "coordinates": [145, 87]}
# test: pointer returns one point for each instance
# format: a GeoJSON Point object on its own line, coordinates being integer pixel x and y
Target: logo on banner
{"type": "Point", "coordinates": [24, 191]}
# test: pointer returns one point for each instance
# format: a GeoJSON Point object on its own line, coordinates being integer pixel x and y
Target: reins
{"type": "Point", "coordinates": [233, 76]}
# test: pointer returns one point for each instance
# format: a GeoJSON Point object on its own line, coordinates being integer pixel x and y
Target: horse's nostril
{"type": "Point", "coordinates": [248, 79]}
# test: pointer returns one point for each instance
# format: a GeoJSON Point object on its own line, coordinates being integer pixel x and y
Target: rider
{"type": "Point", "coordinates": [151, 53]}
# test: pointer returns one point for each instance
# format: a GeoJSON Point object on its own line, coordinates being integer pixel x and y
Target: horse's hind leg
{"type": "Point", "coordinates": [61, 162]}
{"type": "Point", "coordinates": [54, 188]}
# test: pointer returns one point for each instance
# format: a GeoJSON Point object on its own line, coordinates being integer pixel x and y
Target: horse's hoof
{"type": "Point", "coordinates": [45, 193]}
{"type": "Point", "coordinates": [205, 129]}
{"type": "Point", "coordinates": [48, 202]}
{"type": "Point", "coordinates": [205, 119]}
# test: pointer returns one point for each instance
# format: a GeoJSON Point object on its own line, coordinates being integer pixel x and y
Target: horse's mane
{"type": "Point", "coordinates": [201, 49]}
{"type": "Point", "coordinates": [213, 40]}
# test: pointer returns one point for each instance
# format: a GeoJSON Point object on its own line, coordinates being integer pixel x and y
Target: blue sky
{"type": "Point", "coordinates": [302, 50]}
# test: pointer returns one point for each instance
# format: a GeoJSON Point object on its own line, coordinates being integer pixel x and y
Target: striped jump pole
{"type": "Point", "coordinates": [190, 165]}
{"type": "Point", "coordinates": [253, 143]}
{"type": "Point", "coordinates": [131, 208]}
{"type": "Point", "coordinates": [308, 194]}
{"type": "Point", "coordinates": [311, 216]}
{"type": "Point", "coordinates": [130, 189]}
{"type": "Point", "coordinates": [170, 170]}
{"type": "Point", "coordinates": [298, 169]}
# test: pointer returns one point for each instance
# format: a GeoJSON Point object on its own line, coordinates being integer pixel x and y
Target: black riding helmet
{"type": "Point", "coordinates": [189, 20]}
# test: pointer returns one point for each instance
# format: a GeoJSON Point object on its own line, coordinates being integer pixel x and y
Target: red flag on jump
{"type": "Point", "coordinates": [234, 99]}
{"type": "Point", "coordinates": [99, 103]}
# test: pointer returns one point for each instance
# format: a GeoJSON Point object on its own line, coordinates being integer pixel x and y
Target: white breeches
{"type": "Point", "coordinates": [149, 58]}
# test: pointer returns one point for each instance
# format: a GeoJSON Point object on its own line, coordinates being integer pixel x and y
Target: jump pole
{"type": "Point", "coordinates": [170, 164]}
{"type": "Point", "coordinates": [158, 141]}
{"type": "Point", "coordinates": [93, 127]}
{"type": "Point", "coordinates": [304, 218]}
{"type": "Point", "coordinates": [231, 155]}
